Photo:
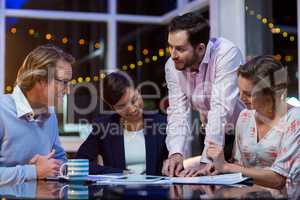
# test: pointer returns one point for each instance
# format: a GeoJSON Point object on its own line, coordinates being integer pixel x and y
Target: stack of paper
{"type": "Point", "coordinates": [101, 177]}
{"type": "Point", "coordinates": [224, 179]}
{"type": "Point", "coordinates": [130, 180]}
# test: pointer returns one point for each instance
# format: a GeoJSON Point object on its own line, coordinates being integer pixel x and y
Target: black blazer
{"type": "Point", "coordinates": [107, 140]}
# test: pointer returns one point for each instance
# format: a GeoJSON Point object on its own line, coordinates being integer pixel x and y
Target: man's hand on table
{"type": "Point", "coordinates": [173, 165]}
{"type": "Point", "coordinates": [203, 169]}
{"type": "Point", "coordinates": [46, 166]}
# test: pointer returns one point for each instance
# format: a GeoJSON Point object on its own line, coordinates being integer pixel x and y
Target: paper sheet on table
{"type": "Point", "coordinates": [106, 176]}
{"type": "Point", "coordinates": [224, 179]}
{"type": "Point", "coordinates": [116, 182]}
{"type": "Point", "coordinates": [132, 180]}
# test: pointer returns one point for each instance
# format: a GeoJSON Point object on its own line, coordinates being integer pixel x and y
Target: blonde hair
{"type": "Point", "coordinates": [39, 65]}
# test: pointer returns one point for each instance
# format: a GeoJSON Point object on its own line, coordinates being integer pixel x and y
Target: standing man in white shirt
{"type": "Point", "coordinates": [200, 75]}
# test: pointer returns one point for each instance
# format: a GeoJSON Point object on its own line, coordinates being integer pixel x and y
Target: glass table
{"type": "Point", "coordinates": [57, 190]}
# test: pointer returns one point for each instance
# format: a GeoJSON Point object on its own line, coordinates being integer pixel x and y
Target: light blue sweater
{"type": "Point", "coordinates": [22, 137]}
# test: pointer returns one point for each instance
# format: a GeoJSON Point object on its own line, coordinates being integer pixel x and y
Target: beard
{"type": "Point", "coordinates": [192, 62]}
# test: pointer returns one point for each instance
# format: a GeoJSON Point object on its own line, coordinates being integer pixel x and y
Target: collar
{"type": "Point", "coordinates": [207, 54]}
{"type": "Point", "coordinates": [24, 109]}
{"type": "Point", "coordinates": [208, 50]}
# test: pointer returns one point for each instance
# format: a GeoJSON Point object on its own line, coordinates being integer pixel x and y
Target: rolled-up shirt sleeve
{"type": "Point", "coordinates": [224, 98]}
{"type": "Point", "coordinates": [179, 112]}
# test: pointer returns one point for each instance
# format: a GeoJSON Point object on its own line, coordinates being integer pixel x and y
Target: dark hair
{"type": "Point", "coordinates": [114, 86]}
{"type": "Point", "coordinates": [196, 26]}
{"type": "Point", "coordinates": [269, 75]}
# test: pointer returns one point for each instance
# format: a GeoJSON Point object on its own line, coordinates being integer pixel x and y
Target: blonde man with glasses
{"type": "Point", "coordinates": [29, 141]}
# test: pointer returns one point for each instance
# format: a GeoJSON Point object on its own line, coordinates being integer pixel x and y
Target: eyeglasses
{"type": "Point", "coordinates": [64, 82]}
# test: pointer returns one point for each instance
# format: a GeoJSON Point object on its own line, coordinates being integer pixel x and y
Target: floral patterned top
{"type": "Point", "coordinates": [278, 150]}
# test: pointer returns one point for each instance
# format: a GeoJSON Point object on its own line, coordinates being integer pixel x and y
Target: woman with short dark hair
{"type": "Point", "coordinates": [128, 140]}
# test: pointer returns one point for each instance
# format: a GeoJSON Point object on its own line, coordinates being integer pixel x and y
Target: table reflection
{"type": "Point", "coordinates": [223, 192]}
{"type": "Point", "coordinates": [56, 190]}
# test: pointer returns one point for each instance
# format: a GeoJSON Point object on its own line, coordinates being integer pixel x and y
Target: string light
{"type": "Point", "coordinates": [96, 78]}
{"type": "Point", "coordinates": [284, 34]}
{"type": "Point", "coordinates": [264, 20]}
{"type": "Point", "coordinates": [168, 51]}
{"type": "Point", "coordinates": [73, 82]}
{"type": "Point", "coordinates": [64, 40]}
{"type": "Point", "coordinates": [80, 79]}
{"type": "Point", "coordinates": [130, 47]}
{"type": "Point", "coordinates": [13, 30]}
{"type": "Point", "coordinates": [132, 66]}
{"type": "Point", "coordinates": [48, 36]}
{"type": "Point", "coordinates": [140, 63]}
{"type": "Point", "coordinates": [124, 67]}
{"type": "Point", "coordinates": [292, 38]}
{"type": "Point", "coordinates": [258, 16]}
{"type": "Point", "coordinates": [145, 52]}
{"type": "Point", "coordinates": [81, 41]}
{"type": "Point", "coordinates": [161, 52]}
{"type": "Point", "coordinates": [154, 58]}
{"type": "Point", "coordinates": [274, 30]}
{"type": "Point", "coordinates": [271, 25]}
{"type": "Point", "coordinates": [102, 76]}
{"type": "Point", "coordinates": [87, 79]}
{"type": "Point", "coordinates": [31, 31]}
